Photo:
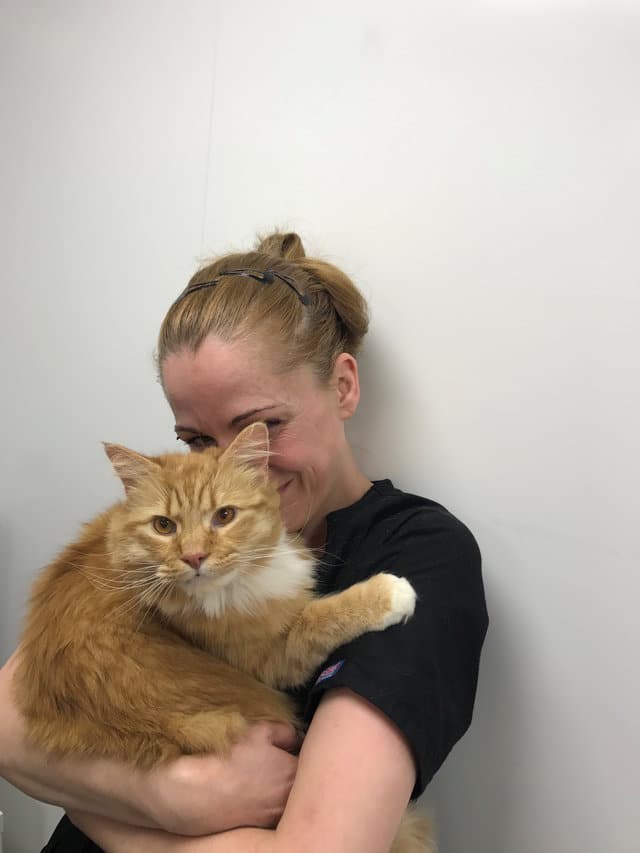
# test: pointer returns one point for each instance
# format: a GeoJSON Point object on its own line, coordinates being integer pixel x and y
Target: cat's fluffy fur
{"type": "Point", "coordinates": [168, 625]}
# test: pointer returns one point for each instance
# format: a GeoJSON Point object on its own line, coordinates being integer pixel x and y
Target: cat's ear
{"type": "Point", "coordinates": [130, 466]}
{"type": "Point", "coordinates": [250, 449]}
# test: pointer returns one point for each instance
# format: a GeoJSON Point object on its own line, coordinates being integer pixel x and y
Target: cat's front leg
{"type": "Point", "coordinates": [327, 623]}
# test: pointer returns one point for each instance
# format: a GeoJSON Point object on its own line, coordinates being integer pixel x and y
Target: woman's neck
{"type": "Point", "coordinates": [348, 487]}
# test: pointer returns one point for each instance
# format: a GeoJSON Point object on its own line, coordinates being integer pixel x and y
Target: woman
{"type": "Point", "coordinates": [272, 335]}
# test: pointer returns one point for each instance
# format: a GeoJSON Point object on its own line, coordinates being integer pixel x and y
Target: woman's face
{"type": "Point", "coordinates": [223, 387]}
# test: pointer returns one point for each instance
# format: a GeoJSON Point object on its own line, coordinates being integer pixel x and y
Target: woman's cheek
{"type": "Point", "coordinates": [286, 458]}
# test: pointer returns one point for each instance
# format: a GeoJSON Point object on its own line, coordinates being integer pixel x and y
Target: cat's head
{"type": "Point", "coordinates": [194, 524]}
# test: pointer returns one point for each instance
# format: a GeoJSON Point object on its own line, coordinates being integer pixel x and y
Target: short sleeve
{"type": "Point", "coordinates": [423, 674]}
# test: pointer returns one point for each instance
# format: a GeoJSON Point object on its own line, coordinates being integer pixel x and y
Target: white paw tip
{"type": "Point", "coordinates": [403, 601]}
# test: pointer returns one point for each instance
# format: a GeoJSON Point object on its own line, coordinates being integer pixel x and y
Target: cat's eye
{"type": "Point", "coordinates": [163, 525]}
{"type": "Point", "coordinates": [223, 516]}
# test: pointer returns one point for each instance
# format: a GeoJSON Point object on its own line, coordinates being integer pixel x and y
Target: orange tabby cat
{"type": "Point", "coordinates": [167, 626]}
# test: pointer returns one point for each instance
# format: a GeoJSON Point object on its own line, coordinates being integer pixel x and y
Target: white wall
{"type": "Point", "coordinates": [475, 167]}
{"type": "Point", "coordinates": [105, 154]}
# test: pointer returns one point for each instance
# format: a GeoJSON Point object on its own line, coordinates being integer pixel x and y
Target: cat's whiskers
{"type": "Point", "coordinates": [151, 598]}
{"type": "Point", "coordinates": [142, 570]}
{"type": "Point", "coordinates": [121, 583]}
{"type": "Point", "coordinates": [142, 598]}
{"type": "Point", "coordinates": [138, 590]}
{"type": "Point", "coordinates": [319, 553]}
{"type": "Point", "coordinates": [161, 599]}
{"type": "Point", "coordinates": [282, 549]}
{"type": "Point", "coordinates": [100, 583]}
{"type": "Point", "coordinates": [261, 551]}
{"type": "Point", "coordinates": [102, 555]}
{"type": "Point", "coordinates": [119, 572]}
{"type": "Point", "coordinates": [295, 539]}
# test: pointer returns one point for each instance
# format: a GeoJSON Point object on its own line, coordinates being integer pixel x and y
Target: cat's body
{"type": "Point", "coordinates": [168, 626]}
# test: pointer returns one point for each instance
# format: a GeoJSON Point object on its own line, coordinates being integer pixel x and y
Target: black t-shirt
{"type": "Point", "coordinates": [421, 674]}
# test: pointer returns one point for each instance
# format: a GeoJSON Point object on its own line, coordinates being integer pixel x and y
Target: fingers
{"type": "Point", "coordinates": [283, 736]}
{"type": "Point", "coordinates": [202, 794]}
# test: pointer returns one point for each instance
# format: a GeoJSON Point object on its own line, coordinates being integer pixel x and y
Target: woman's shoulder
{"type": "Point", "coordinates": [389, 522]}
{"type": "Point", "coordinates": [385, 511]}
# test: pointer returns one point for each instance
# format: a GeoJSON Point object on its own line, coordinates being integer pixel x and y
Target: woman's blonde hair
{"type": "Point", "coordinates": [333, 320]}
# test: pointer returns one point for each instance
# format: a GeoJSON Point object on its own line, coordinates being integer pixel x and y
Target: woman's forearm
{"type": "Point", "coordinates": [103, 788]}
{"type": "Point", "coordinates": [99, 786]}
{"type": "Point", "coordinates": [117, 838]}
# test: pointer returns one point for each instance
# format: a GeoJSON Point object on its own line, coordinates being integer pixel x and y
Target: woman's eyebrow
{"type": "Point", "coordinates": [253, 412]}
{"type": "Point", "coordinates": [238, 419]}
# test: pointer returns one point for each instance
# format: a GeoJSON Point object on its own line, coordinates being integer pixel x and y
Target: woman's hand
{"type": "Point", "coordinates": [198, 795]}
{"type": "Point", "coordinates": [191, 796]}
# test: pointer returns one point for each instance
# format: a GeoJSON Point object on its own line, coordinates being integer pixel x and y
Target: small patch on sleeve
{"type": "Point", "coordinates": [329, 672]}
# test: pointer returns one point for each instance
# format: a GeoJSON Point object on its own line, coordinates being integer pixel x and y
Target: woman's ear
{"type": "Point", "coordinates": [347, 384]}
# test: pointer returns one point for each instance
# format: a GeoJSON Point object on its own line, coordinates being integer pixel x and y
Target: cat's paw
{"type": "Point", "coordinates": [402, 600]}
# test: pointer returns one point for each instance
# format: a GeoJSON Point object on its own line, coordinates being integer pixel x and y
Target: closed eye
{"type": "Point", "coordinates": [200, 442]}
{"type": "Point", "coordinates": [197, 442]}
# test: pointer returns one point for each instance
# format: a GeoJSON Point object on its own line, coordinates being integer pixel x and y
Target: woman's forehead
{"type": "Point", "coordinates": [216, 363]}
{"type": "Point", "coordinates": [229, 378]}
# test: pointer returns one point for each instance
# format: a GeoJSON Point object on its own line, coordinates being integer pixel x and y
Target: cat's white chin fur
{"type": "Point", "coordinates": [286, 574]}
{"type": "Point", "coordinates": [403, 601]}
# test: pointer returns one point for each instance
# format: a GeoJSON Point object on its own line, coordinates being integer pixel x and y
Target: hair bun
{"type": "Point", "coordinates": [331, 319]}
{"type": "Point", "coordinates": [282, 245]}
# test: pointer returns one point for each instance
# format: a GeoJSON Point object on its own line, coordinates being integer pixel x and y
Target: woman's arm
{"type": "Point", "coordinates": [190, 796]}
{"type": "Point", "coordinates": [355, 776]}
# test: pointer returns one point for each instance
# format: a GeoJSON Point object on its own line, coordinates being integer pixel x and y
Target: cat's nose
{"type": "Point", "coordinates": [194, 560]}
